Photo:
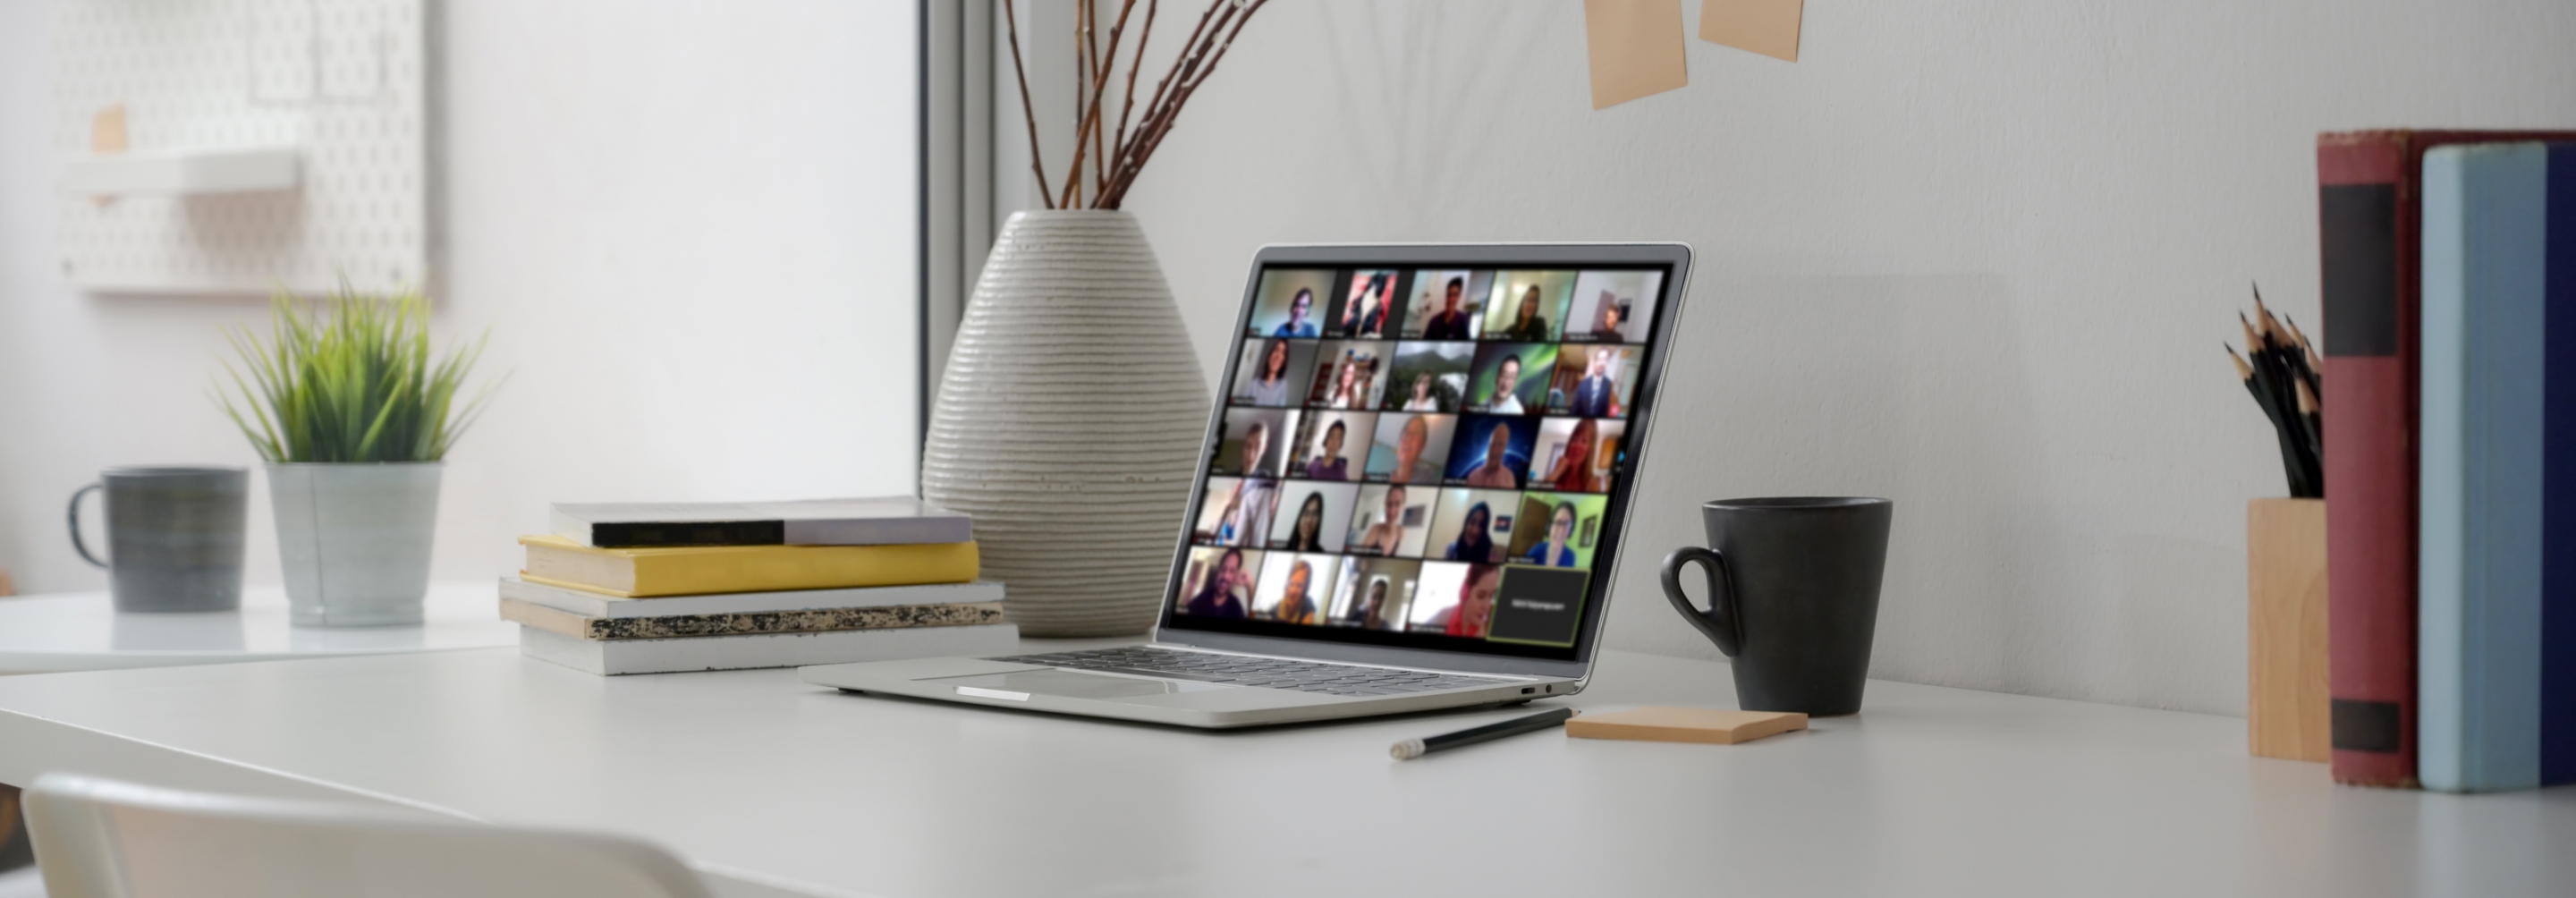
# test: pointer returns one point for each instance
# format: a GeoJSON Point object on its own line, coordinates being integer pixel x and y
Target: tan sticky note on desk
{"type": "Point", "coordinates": [1768, 27]}
{"type": "Point", "coordinates": [1685, 725]}
{"type": "Point", "coordinates": [1636, 48]}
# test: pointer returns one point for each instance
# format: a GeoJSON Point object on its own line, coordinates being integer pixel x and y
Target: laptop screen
{"type": "Point", "coordinates": [1424, 456]}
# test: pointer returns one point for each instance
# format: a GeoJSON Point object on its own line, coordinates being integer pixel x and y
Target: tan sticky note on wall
{"type": "Point", "coordinates": [1636, 48]}
{"type": "Point", "coordinates": [1768, 27]}
{"type": "Point", "coordinates": [107, 130]}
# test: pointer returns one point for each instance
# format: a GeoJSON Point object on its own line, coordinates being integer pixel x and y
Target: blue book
{"type": "Point", "coordinates": [2486, 455]}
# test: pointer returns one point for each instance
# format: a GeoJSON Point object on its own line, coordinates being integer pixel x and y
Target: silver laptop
{"type": "Point", "coordinates": [1412, 495]}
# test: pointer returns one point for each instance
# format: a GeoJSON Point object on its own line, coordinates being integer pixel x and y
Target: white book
{"type": "Point", "coordinates": [877, 521]}
{"type": "Point", "coordinates": [591, 604]}
{"type": "Point", "coordinates": [636, 656]}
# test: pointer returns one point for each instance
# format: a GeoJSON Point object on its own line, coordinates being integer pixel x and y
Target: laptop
{"type": "Point", "coordinates": [1412, 494]}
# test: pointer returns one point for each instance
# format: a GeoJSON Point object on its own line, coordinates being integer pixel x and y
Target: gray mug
{"type": "Point", "coordinates": [1793, 596]}
{"type": "Point", "coordinates": [174, 536]}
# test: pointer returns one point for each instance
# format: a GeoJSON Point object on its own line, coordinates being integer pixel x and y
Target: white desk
{"type": "Point", "coordinates": [1930, 791]}
{"type": "Point", "coordinates": [83, 631]}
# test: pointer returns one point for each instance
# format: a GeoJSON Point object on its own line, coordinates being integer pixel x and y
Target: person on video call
{"type": "Point", "coordinates": [1450, 323]}
{"type": "Point", "coordinates": [1422, 400]}
{"type": "Point", "coordinates": [1474, 612]}
{"type": "Point", "coordinates": [1328, 463]}
{"type": "Point", "coordinates": [1350, 385]}
{"type": "Point", "coordinates": [1475, 540]}
{"type": "Point", "coordinates": [1367, 315]}
{"type": "Point", "coordinates": [1606, 327]}
{"type": "Point", "coordinates": [1382, 614]}
{"type": "Point", "coordinates": [1506, 398]}
{"type": "Point", "coordinates": [1299, 307]}
{"type": "Point", "coordinates": [1246, 521]}
{"type": "Point", "coordinates": [1557, 550]}
{"type": "Point", "coordinates": [1369, 612]}
{"type": "Point", "coordinates": [1270, 385]}
{"type": "Point", "coordinates": [1410, 466]}
{"type": "Point", "coordinates": [1573, 471]}
{"type": "Point", "coordinates": [1296, 607]}
{"type": "Point", "coordinates": [1495, 471]}
{"type": "Point", "coordinates": [1597, 395]}
{"type": "Point", "coordinates": [1383, 537]}
{"type": "Point", "coordinates": [1527, 324]}
{"type": "Point", "coordinates": [1256, 448]}
{"type": "Point", "coordinates": [1222, 595]}
{"type": "Point", "coordinates": [1307, 535]}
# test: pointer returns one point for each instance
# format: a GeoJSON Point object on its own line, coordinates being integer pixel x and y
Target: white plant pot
{"type": "Point", "coordinates": [355, 540]}
{"type": "Point", "coordinates": [1068, 423]}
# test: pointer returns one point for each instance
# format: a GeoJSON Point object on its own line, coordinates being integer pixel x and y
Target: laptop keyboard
{"type": "Point", "coordinates": [1240, 670]}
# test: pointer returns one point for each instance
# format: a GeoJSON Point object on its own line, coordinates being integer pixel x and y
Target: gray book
{"type": "Point", "coordinates": [592, 604]}
{"type": "Point", "coordinates": [879, 521]}
{"type": "Point", "coordinates": [634, 656]}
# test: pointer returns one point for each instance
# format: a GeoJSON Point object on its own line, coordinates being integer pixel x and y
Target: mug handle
{"type": "Point", "coordinates": [1720, 622]}
{"type": "Point", "coordinates": [74, 515]}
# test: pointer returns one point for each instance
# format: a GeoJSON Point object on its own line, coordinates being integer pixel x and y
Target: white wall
{"type": "Point", "coordinates": [1974, 256]}
{"type": "Point", "coordinates": [689, 226]}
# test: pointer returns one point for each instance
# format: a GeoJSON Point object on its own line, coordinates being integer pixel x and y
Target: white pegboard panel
{"type": "Point", "coordinates": [341, 80]}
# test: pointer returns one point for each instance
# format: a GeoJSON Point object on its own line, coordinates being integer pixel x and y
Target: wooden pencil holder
{"type": "Point", "coordinates": [2285, 585]}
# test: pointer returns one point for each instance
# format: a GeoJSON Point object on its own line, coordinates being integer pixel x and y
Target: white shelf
{"type": "Point", "coordinates": [190, 171]}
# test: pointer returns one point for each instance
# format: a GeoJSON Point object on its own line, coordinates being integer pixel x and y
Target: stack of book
{"type": "Point", "coordinates": [656, 588]}
{"type": "Point", "coordinates": [2450, 456]}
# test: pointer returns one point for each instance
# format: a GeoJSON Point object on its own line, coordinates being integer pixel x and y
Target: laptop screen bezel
{"type": "Point", "coordinates": [1673, 258]}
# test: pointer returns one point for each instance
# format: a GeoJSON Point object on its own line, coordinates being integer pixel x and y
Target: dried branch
{"type": "Point", "coordinates": [1028, 112]}
{"type": "Point", "coordinates": [1116, 156]}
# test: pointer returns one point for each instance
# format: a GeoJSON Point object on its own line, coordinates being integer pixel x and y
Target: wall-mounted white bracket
{"type": "Point", "coordinates": [191, 171]}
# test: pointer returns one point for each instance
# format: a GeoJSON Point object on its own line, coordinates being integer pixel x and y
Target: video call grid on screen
{"type": "Point", "coordinates": [1420, 456]}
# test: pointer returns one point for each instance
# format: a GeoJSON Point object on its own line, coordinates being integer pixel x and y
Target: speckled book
{"type": "Point", "coordinates": [811, 620]}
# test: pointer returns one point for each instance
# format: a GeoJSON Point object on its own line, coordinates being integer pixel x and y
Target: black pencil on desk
{"type": "Point", "coordinates": [1415, 748]}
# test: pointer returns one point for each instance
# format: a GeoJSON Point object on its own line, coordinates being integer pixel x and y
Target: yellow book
{"type": "Point", "coordinates": [696, 570]}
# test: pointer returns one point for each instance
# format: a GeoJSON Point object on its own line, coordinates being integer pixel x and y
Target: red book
{"type": "Point", "coordinates": [2369, 214]}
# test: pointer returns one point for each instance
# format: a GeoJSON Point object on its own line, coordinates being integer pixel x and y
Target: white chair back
{"type": "Point", "coordinates": [98, 838]}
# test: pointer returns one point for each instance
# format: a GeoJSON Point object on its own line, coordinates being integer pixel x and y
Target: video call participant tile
{"type": "Point", "coordinates": [1375, 593]}
{"type": "Point", "coordinates": [1291, 303]}
{"type": "Point", "coordinates": [1492, 451]}
{"type": "Point", "coordinates": [1367, 308]}
{"type": "Point", "coordinates": [1253, 442]}
{"type": "Point", "coordinates": [1393, 520]}
{"type": "Point", "coordinates": [1472, 525]}
{"type": "Point", "coordinates": [1294, 587]}
{"type": "Point", "coordinates": [1613, 306]}
{"type": "Point", "coordinates": [1410, 448]}
{"type": "Point", "coordinates": [1274, 372]}
{"type": "Point", "coordinates": [1219, 582]}
{"type": "Point", "coordinates": [1429, 377]}
{"type": "Point", "coordinates": [1350, 374]}
{"type": "Point", "coordinates": [1511, 378]}
{"type": "Point", "coordinates": [1557, 529]}
{"type": "Point", "coordinates": [1236, 511]}
{"type": "Point", "coordinates": [1313, 516]}
{"type": "Point", "coordinates": [1593, 381]}
{"type": "Point", "coordinates": [1576, 454]}
{"type": "Point", "coordinates": [1528, 305]}
{"type": "Point", "coordinates": [1331, 445]}
{"type": "Point", "coordinates": [1454, 599]}
{"type": "Point", "coordinates": [1538, 606]}
{"type": "Point", "coordinates": [1445, 304]}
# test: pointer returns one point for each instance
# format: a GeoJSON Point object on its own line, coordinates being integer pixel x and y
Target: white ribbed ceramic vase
{"type": "Point", "coordinates": [1068, 423]}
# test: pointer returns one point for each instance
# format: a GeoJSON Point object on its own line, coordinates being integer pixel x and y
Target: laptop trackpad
{"type": "Point", "coordinates": [1068, 684]}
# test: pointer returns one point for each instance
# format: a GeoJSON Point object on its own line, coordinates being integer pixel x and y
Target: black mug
{"type": "Point", "coordinates": [174, 536]}
{"type": "Point", "coordinates": [1793, 596]}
